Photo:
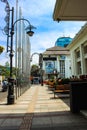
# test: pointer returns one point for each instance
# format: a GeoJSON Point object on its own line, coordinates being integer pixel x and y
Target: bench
{"type": "Point", "coordinates": [61, 89]}
{"type": "Point", "coordinates": [51, 87]}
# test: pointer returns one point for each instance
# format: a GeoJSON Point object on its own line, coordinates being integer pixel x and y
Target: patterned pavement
{"type": "Point", "coordinates": [37, 109]}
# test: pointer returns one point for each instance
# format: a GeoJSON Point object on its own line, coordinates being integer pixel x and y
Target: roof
{"type": "Point", "coordinates": [56, 50]}
{"type": "Point", "coordinates": [80, 34]}
{"type": "Point", "coordinates": [63, 41]}
{"type": "Point", "coordinates": [69, 10]}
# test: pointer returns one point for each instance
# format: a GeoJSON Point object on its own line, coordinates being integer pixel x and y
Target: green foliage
{"type": "Point", "coordinates": [51, 80]}
{"type": "Point", "coordinates": [35, 70]}
{"type": "Point", "coordinates": [14, 71]}
{"type": "Point", "coordinates": [7, 64]}
{"type": "Point", "coordinates": [5, 71]}
{"type": "Point", "coordinates": [65, 81]}
{"type": "Point", "coordinates": [52, 77]}
{"type": "Point", "coordinates": [1, 49]}
{"type": "Point", "coordinates": [60, 81]}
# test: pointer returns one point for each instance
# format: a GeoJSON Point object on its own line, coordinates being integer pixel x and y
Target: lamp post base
{"type": "Point", "coordinates": [11, 97]}
{"type": "Point", "coordinates": [41, 81]}
{"type": "Point", "coordinates": [41, 84]}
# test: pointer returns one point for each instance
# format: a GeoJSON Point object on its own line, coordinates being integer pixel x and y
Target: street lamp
{"type": "Point", "coordinates": [41, 64]}
{"type": "Point", "coordinates": [11, 96]}
{"type": "Point", "coordinates": [29, 28]}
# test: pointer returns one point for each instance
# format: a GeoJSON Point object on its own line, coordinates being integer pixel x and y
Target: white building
{"type": "Point", "coordinates": [57, 61]}
{"type": "Point", "coordinates": [78, 51]}
{"type": "Point", "coordinates": [78, 48]}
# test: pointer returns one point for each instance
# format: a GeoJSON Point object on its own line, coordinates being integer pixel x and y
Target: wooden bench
{"type": "Point", "coordinates": [61, 89]}
{"type": "Point", "coordinates": [51, 87]}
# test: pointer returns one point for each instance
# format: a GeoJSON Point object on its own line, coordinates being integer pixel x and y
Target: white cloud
{"type": "Point", "coordinates": [36, 8]}
{"type": "Point", "coordinates": [48, 38]}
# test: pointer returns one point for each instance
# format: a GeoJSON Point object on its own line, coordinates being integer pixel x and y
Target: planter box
{"type": "Point", "coordinates": [78, 96]}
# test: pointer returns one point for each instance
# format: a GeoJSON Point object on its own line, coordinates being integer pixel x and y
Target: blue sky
{"type": "Point", "coordinates": [39, 13]}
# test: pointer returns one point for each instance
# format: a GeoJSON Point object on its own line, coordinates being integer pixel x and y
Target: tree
{"type": "Point", "coordinates": [4, 71]}
{"type": "Point", "coordinates": [1, 49]}
{"type": "Point", "coordinates": [7, 64]}
{"type": "Point", "coordinates": [34, 70]}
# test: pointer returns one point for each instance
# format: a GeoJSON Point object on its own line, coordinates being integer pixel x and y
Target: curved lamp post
{"type": "Point", "coordinates": [29, 28]}
{"type": "Point", "coordinates": [11, 97]}
{"type": "Point", "coordinates": [40, 64]}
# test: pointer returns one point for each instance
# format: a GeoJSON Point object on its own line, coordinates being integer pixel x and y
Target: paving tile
{"type": "Point", "coordinates": [41, 121]}
{"type": "Point", "coordinates": [9, 128]}
{"type": "Point", "coordinates": [1, 121]}
{"type": "Point", "coordinates": [12, 122]}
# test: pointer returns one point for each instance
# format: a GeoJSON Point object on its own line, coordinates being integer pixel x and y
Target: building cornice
{"type": "Point", "coordinates": [78, 36]}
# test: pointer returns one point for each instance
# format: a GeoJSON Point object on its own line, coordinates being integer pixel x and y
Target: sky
{"type": "Point", "coordinates": [40, 15]}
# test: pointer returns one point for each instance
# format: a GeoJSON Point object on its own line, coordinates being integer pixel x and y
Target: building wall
{"type": "Point", "coordinates": [68, 72]}
{"type": "Point", "coordinates": [67, 65]}
{"type": "Point", "coordinates": [78, 51]}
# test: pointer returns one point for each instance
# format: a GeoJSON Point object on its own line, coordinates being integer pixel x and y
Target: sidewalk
{"type": "Point", "coordinates": [36, 109]}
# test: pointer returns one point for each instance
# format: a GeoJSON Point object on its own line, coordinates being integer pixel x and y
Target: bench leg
{"type": "Point", "coordinates": [54, 95]}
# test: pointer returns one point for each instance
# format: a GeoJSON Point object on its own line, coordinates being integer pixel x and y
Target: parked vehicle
{"type": "Point", "coordinates": [36, 80]}
{"type": "Point", "coordinates": [4, 85]}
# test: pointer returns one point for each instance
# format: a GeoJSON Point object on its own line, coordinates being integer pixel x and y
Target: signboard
{"type": "Point", "coordinates": [49, 66]}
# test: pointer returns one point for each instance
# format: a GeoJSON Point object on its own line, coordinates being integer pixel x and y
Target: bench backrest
{"type": "Point", "coordinates": [63, 87]}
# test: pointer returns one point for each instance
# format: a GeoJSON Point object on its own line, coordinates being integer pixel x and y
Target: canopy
{"type": "Point", "coordinates": [70, 10]}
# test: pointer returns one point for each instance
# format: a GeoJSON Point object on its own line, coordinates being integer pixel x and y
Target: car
{"type": "Point", "coordinates": [35, 80]}
{"type": "Point", "coordinates": [4, 85]}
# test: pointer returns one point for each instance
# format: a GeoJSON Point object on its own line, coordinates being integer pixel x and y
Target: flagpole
{"type": "Point", "coordinates": [16, 41]}
{"type": "Point", "coordinates": [16, 45]}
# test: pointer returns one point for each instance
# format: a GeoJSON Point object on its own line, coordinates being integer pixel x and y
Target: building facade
{"type": "Point", "coordinates": [78, 52]}
{"type": "Point", "coordinates": [56, 61]}
{"type": "Point", "coordinates": [78, 47]}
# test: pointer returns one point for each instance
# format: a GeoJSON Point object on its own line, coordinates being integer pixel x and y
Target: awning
{"type": "Point", "coordinates": [70, 10]}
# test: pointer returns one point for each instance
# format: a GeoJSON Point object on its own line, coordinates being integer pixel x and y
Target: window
{"type": "Point", "coordinates": [86, 66]}
{"type": "Point", "coordinates": [85, 49]}
{"type": "Point", "coordinates": [78, 67]}
{"type": "Point", "coordinates": [62, 68]}
{"type": "Point", "coordinates": [78, 54]}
